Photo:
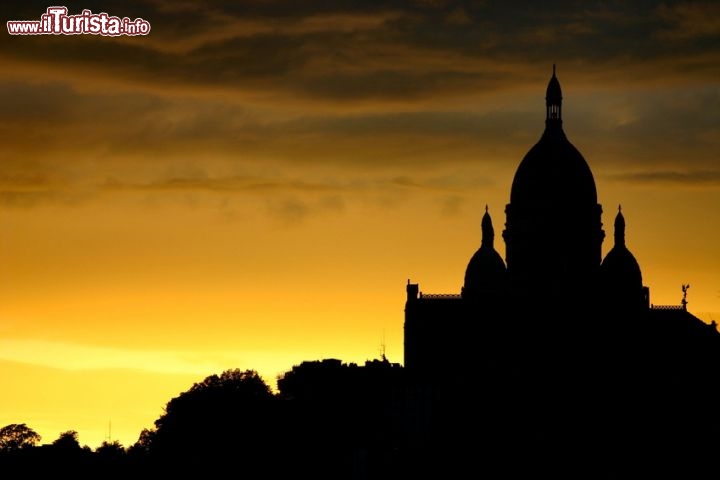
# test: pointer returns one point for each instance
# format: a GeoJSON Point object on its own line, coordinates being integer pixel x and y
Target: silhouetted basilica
{"type": "Point", "coordinates": [556, 351]}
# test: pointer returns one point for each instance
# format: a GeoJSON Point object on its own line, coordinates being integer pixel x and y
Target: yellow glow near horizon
{"type": "Point", "coordinates": [111, 342]}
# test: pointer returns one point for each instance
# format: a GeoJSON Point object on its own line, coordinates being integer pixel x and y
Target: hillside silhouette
{"type": "Point", "coordinates": [335, 420]}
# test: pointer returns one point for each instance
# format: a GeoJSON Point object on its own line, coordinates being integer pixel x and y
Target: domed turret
{"type": "Point", "coordinates": [485, 272]}
{"type": "Point", "coordinates": [620, 272]}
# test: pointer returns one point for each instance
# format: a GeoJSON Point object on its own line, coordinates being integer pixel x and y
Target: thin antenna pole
{"type": "Point", "coordinates": [382, 347]}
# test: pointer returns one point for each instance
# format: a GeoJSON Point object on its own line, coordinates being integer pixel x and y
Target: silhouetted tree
{"type": "Point", "coordinates": [67, 441]}
{"type": "Point", "coordinates": [217, 422]}
{"type": "Point", "coordinates": [63, 456]}
{"type": "Point", "coordinates": [109, 449]}
{"type": "Point", "coordinates": [110, 459]}
{"type": "Point", "coordinates": [16, 436]}
{"type": "Point", "coordinates": [144, 442]}
{"type": "Point", "coordinates": [344, 420]}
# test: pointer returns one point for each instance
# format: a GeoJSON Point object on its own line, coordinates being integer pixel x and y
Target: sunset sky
{"type": "Point", "coordinates": [253, 183]}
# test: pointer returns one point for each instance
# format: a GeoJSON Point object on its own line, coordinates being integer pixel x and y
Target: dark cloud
{"type": "Point", "coordinates": [451, 205]}
{"type": "Point", "coordinates": [462, 123]}
{"type": "Point", "coordinates": [448, 182]}
{"type": "Point", "coordinates": [291, 210]}
{"type": "Point", "coordinates": [32, 197]}
{"type": "Point", "coordinates": [386, 84]}
{"type": "Point", "coordinates": [288, 210]}
{"type": "Point", "coordinates": [700, 178]}
{"type": "Point", "coordinates": [655, 126]}
{"type": "Point", "coordinates": [54, 122]}
{"type": "Point", "coordinates": [30, 186]}
{"type": "Point", "coordinates": [352, 51]}
{"type": "Point", "coordinates": [690, 20]}
{"type": "Point", "coordinates": [372, 87]}
{"type": "Point", "coordinates": [330, 188]}
{"type": "Point", "coordinates": [225, 184]}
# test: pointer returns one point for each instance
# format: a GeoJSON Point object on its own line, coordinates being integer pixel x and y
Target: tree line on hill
{"type": "Point", "coordinates": [328, 419]}
{"type": "Point", "coordinates": [332, 420]}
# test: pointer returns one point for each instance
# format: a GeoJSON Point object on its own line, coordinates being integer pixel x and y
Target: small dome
{"type": "Point", "coordinates": [620, 270]}
{"type": "Point", "coordinates": [486, 270]}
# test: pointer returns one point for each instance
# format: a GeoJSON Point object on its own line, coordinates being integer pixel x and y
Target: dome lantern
{"type": "Point", "coordinates": [553, 100]}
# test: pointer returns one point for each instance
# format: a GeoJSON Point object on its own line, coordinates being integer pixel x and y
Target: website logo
{"type": "Point", "coordinates": [56, 21]}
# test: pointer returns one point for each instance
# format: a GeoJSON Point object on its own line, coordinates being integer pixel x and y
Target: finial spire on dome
{"type": "Point", "coordinates": [553, 69]}
{"type": "Point", "coordinates": [488, 232]}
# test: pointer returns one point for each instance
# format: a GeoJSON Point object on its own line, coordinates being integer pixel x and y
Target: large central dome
{"type": "Point", "coordinates": [553, 230]}
{"type": "Point", "coordinates": [553, 172]}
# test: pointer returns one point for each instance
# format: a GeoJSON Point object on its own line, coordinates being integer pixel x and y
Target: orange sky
{"type": "Point", "coordinates": [251, 186]}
